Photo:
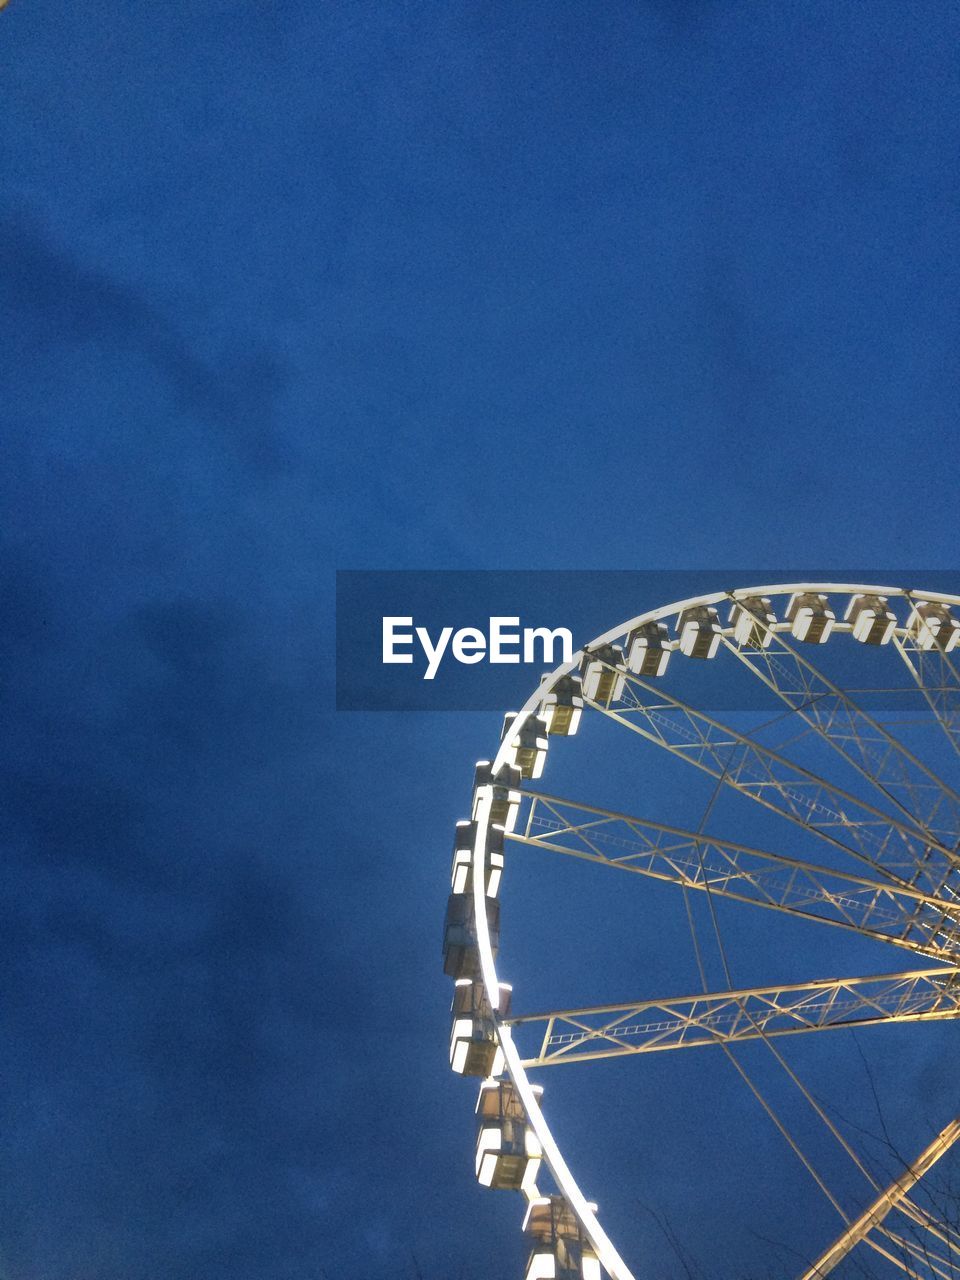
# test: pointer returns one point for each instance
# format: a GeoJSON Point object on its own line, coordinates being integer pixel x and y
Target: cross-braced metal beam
{"type": "Point", "coordinates": [696, 860]}
{"type": "Point", "coordinates": [923, 797]}
{"type": "Point", "coordinates": [938, 679]}
{"type": "Point", "coordinates": [894, 848]}
{"type": "Point", "coordinates": [729, 1017]}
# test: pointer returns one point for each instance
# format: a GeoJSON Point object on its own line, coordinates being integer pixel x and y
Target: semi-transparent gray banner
{"type": "Point", "coordinates": [478, 640]}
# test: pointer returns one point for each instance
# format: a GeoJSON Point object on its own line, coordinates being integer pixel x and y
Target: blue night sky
{"type": "Point", "coordinates": [289, 287]}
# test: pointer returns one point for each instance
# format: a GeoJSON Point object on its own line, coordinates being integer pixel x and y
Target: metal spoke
{"type": "Point", "coordinates": [940, 1230]}
{"type": "Point", "coordinates": [908, 783]}
{"type": "Point", "coordinates": [697, 860]}
{"type": "Point", "coordinates": [892, 1196]}
{"type": "Point", "coordinates": [936, 1264]}
{"type": "Point", "coordinates": [897, 1259]}
{"type": "Point", "coordinates": [938, 680]}
{"type": "Point", "coordinates": [892, 847]}
{"type": "Point", "coordinates": [728, 1017]}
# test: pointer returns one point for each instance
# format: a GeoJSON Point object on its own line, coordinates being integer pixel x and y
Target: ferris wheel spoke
{"type": "Point", "coordinates": [891, 846]}
{"type": "Point", "coordinates": [938, 680]}
{"type": "Point", "coordinates": [696, 860]}
{"type": "Point", "coordinates": [889, 1199]}
{"type": "Point", "coordinates": [899, 1258]}
{"type": "Point", "coordinates": [919, 1220]}
{"type": "Point", "coordinates": [923, 1219]}
{"type": "Point", "coordinates": [920, 794]}
{"type": "Point", "coordinates": [911, 1251]}
{"type": "Point", "coordinates": [729, 1017]}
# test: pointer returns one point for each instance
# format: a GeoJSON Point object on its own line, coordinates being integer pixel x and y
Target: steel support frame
{"type": "Point", "coordinates": [731, 1017]}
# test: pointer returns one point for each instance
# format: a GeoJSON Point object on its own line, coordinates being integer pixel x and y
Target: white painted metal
{"type": "Point", "coordinates": [584, 1210]}
{"type": "Point", "coordinates": [888, 1199]}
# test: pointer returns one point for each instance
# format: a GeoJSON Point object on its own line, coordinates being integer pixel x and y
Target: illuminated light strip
{"type": "Point", "coordinates": [610, 1259]}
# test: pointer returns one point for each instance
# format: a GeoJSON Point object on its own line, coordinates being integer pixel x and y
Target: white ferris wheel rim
{"type": "Point", "coordinates": [567, 1185]}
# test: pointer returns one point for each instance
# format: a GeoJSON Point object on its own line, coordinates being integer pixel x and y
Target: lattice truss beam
{"type": "Point", "coordinates": [876, 908]}
{"type": "Point", "coordinates": [923, 797]}
{"type": "Point", "coordinates": [938, 680]}
{"type": "Point", "coordinates": [729, 1017]}
{"type": "Point", "coordinates": [893, 846]}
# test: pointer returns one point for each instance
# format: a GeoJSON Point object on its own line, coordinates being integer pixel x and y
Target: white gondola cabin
{"type": "Point", "coordinates": [698, 629]}
{"type": "Point", "coordinates": [508, 1150]}
{"type": "Point", "coordinates": [528, 745]}
{"type": "Point", "coordinates": [503, 791]}
{"type": "Point", "coordinates": [603, 673]}
{"type": "Point", "coordinates": [647, 650]}
{"type": "Point", "coordinates": [461, 958]}
{"type": "Point", "coordinates": [461, 872]}
{"type": "Point", "coordinates": [872, 618]}
{"type": "Point", "coordinates": [751, 618]}
{"type": "Point", "coordinates": [474, 1050]}
{"type": "Point", "coordinates": [810, 616]}
{"type": "Point", "coordinates": [562, 706]}
{"type": "Point", "coordinates": [932, 626]}
{"type": "Point", "coordinates": [560, 1251]}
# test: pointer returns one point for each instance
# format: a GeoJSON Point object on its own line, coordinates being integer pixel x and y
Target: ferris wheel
{"type": "Point", "coordinates": [869, 841]}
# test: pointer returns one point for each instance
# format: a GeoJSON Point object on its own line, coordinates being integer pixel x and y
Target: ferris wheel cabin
{"type": "Point", "coordinates": [560, 1252]}
{"type": "Point", "coordinates": [528, 745]}
{"type": "Point", "coordinates": [503, 789]}
{"type": "Point", "coordinates": [699, 631]}
{"type": "Point", "coordinates": [602, 670]}
{"type": "Point", "coordinates": [810, 617]}
{"type": "Point", "coordinates": [508, 1150]}
{"type": "Point", "coordinates": [647, 651]}
{"type": "Point", "coordinates": [872, 618]}
{"type": "Point", "coordinates": [562, 706]}
{"type": "Point", "coordinates": [474, 1050]}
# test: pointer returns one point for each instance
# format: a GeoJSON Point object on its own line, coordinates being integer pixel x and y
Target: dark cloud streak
{"type": "Point", "coordinates": [50, 293]}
